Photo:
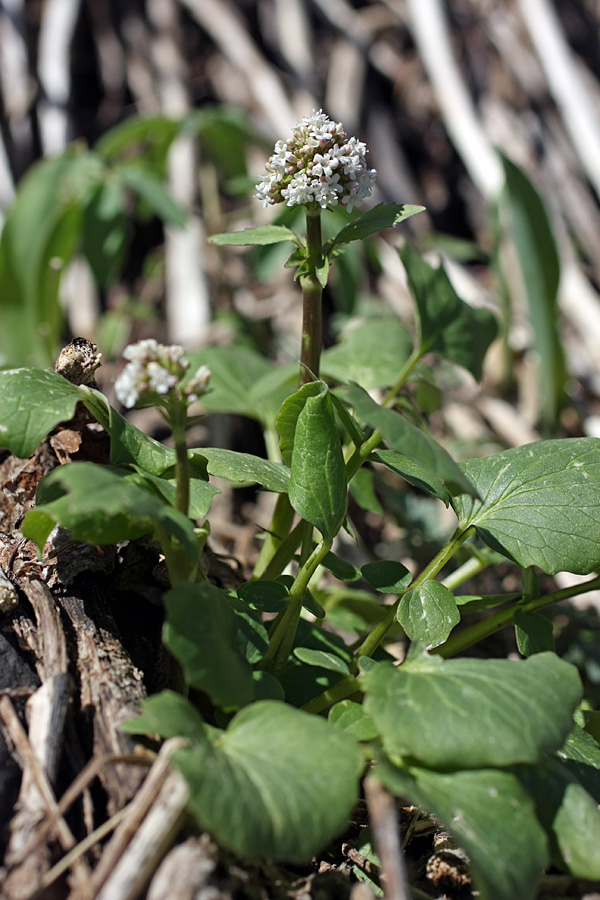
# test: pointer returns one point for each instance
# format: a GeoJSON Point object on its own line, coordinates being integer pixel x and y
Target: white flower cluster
{"type": "Point", "coordinates": [320, 165]}
{"type": "Point", "coordinates": [156, 369]}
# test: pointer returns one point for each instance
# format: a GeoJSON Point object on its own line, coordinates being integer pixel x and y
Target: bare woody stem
{"type": "Point", "coordinates": [312, 295]}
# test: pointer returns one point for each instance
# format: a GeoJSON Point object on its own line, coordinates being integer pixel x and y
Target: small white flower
{"type": "Point", "coordinates": [319, 165]}
{"type": "Point", "coordinates": [159, 378]}
{"type": "Point", "coordinates": [155, 370]}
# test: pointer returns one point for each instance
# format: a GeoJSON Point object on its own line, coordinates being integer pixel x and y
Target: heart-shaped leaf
{"type": "Point", "coordinates": [540, 504]}
{"type": "Point", "coordinates": [473, 713]}
{"type": "Point", "coordinates": [428, 614]}
{"type": "Point", "coordinates": [278, 783]}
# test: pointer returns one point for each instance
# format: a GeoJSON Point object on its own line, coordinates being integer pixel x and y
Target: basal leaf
{"type": "Point", "coordinates": [278, 783]}
{"type": "Point", "coordinates": [102, 505]}
{"type": "Point", "coordinates": [32, 403]}
{"type": "Point", "coordinates": [266, 234]}
{"type": "Point", "coordinates": [153, 191]}
{"type": "Point", "coordinates": [428, 614]}
{"type": "Point", "coordinates": [490, 815]}
{"type": "Point", "coordinates": [473, 713]}
{"type": "Point", "coordinates": [540, 504]}
{"type": "Point", "coordinates": [447, 325]}
{"type": "Point", "coordinates": [570, 816]}
{"type": "Point", "coordinates": [129, 446]}
{"type": "Point", "coordinates": [371, 353]}
{"type": "Point", "coordinates": [243, 467]}
{"type": "Point", "coordinates": [169, 715]}
{"type": "Point", "coordinates": [202, 631]}
{"type": "Point", "coordinates": [382, 216]}
{"type": "Point", "coordinates": [407, 439]}
{"type": "Point", "coordinates": [318, 490]}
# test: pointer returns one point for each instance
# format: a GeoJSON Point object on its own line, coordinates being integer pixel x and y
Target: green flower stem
{"type": "Point", "coordinates": [281, 639]}
{"type": "Point", "coordinates": [97, 405]}
{"type": "Point", "coordinates": [406, 370]}
{"type": "Point", "coordinates": [340, 691]}
{"type": "Point", "coordinates": [456, 643]}
{"type": "Point", "coordinates": [312, 295]}
{"type": "Point", "coordinates": [469, 569]}
{"type": "Point", "coordinates": [279, 531]}
{"type": "Point", "coordinates": [177, 418]}
{"type": "Point", "coordinates": [374, 639]}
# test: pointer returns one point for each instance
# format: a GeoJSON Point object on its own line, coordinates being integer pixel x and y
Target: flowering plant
{"type": "Point", "coordinates": [489, 746]}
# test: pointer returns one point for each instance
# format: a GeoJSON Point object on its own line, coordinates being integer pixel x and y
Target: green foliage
{"type": "Point", "coordinates": [489, 746]}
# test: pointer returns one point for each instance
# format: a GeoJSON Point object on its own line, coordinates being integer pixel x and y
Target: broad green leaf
{"type": "Point", "coordinates": [540, 504]}
{"type": "Point", "coordinates": [322, 659]}
{"type": "Point", "coordinates": [243, 467]}
{"type": "Point", "coordinates": [202, 631]}
{"type": "Point", "coordinates": [352, 718]}
{"type": "Point", "coordinates": [473, 713]}
{"type": "Point", "coordinates": [318, 490]}
{"type": "Point", "coordinates": [153, 133]}
{"type": "Point", "coordinates": [269, 391]}
{"type": "Point", "coordinates": [533, 633]}
{"type": "Point", "coordinates": [428, 614]}
{"type": "Point", "coordinates": [490, 815]}
{"type": "Point", "coordinates": [569, 815]}
{"type": "Point", "coordinates": [153, 191]}
{"type": "Point", "coordinates": [414, 473]}
{"type": "Point", "coordinates": [342, 570]}
{"type": "Point", "coordinates": [32, 403]}
{"type": "Point", "coordinates": [447, 325]}
{"type": "Point", "coordinates": [387, 576]}
{"type": "Point", "coordinates": [105, 231]}
{"type": "Point", "coordinates": [169, 715]}
{"type": "Point", "coordinates": [382, 216]}
{"type": "Point", "coordinates": [278, 783]}
{"type": "Point", "coordinates": [302, 682]}
{"type": "Point", "coordinates": [234, 371]}
{"type": "Point", "coordinates": [102, 505]}
{"type": "Point", "coordinates": [407, 439]}
{"type": "Point", "coordinates": [288, 416]}
{"type": "Point", "coordinates": [129, 446]}
{"type": "Point", "coordinates": [537, 252]}
{"type": "Point", "coordinates": [201, 492]}
{"type": "Point", "coordinates": [371, 353]}
{"type": "Point", "coordinates": [580, 754]}
{"type": "Point", "coordinates": [265, 234]}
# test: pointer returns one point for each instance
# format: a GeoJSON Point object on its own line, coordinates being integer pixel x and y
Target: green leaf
{"type": "Point", "coordinates": [201, 492]}
{"type": "Point", "coordinates": [266, 596]}
{"type": "Point", "coordinates": [352, 718]}
{"type": "Point", "coordinates": [301, 682]}
{"type": "Point", "coordinates": [244, 468]}
{"type": "Point", "coordinates": [288, 416]}
{"type": "Point", "coordinates": [540, 504]}
{"type": "Point", "coordinates": [32, 403]}
{"type": "Point", "coordinates": [533, 633]}
{"type": "Point", "coordinates": [102, 505]}
{"type": "Point", "coordinates": [153, 191]}
{"type": "Point", "coordinates": [473, 713]}
{"type": "Point", "coordinates": [39, 238]}
{"type": "Point", "coordinates": [153, 133]}
{"type": "Point", "coordinates": [448, 325]}
{"type": "Point", "coordinates": [105, 236]}
{"type": "Point", "coordinates": [339, 568]}
{"type": "Point", "coordinates": [407, 439]}
{"type": "Point", "coordinates": [428, 614]}
{"type": "Point", "coordinates": [131, 447]}
{"type": "Point", "coordinates": [387, 576]}
{"type": "Point", "coordinates": [278, 783]}
{"type": "Point", "coordinates": [266, 234]}
{"type": "Point", "coordinates": [169, 715]}
{"type": "Point", "coordinates": [234, 372]}
{"type": "Point", "coordinates": [202, 631]}
{"type": "Point", "coordinates": [414, 473]}
{"type": "Point", "coordinates": [569, 815]}
{"type": "Point", "coordinates": [370, 353]}
{"type": "Point", "coordinates": [490, 815]}
{"type": "Point", "coordinates": [362, 488]}
{"type": "Point", "coordinates": [537, 253]}
{"type": "Point", "coordinates": [318, 489]}
{"type": "Point", "coordinates": [580, 754]}
{"type": "Point", "coordinates": [382, 216]}
{"type": "Point", "coordinates": [322, 659]}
